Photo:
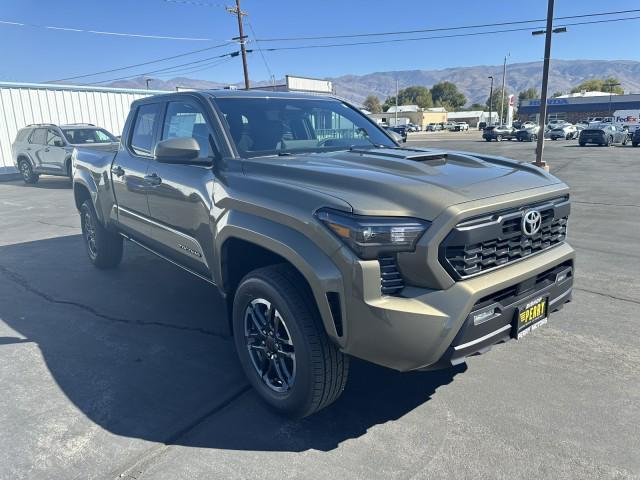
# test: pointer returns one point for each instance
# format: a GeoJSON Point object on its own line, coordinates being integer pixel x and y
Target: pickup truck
{"type": "Point", "coordinates": [329, 240]}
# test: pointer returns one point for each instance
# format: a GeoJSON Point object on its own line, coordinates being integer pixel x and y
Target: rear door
{"type": "Point", "coordinates": [181, 201]}
{"type": "Point", "coordinates": [36, 148]}
{"type": "Point", "coordinates": [129, 169]}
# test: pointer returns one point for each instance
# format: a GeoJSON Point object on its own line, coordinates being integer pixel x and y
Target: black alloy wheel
{"type": "Point", "coordinates": [270, 345]}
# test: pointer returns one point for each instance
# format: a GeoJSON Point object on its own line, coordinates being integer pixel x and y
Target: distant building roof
{"type": "Point", "coordinates": [586, 94]}
{"type": "Point", "coordinates": [436, 109]}
{"type": "Point", "coordinates": [404, 108]}
{"type": "Point", "coordinates": [471, 114]}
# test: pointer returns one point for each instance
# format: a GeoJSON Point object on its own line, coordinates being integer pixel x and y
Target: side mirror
{"type": "Point", "coordinates": [184, 150]}
{"type": "Point", "coordinates": [58, 143]}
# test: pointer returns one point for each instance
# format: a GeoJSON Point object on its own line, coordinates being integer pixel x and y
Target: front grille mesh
{"type": "Point", "coordinates": [475, 258]}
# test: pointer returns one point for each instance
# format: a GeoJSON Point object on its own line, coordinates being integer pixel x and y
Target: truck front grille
{"type": "Point", "coordinates": [484, 243]}
{"type": "Point", "coordinates": [391, 281]}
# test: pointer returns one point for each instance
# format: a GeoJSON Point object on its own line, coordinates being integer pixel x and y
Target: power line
{"type": "Point", "coordinates": [442, 29]}
{"type": "Point", "coordinates": [231, 54]}
{"type": "Point", "coordinates": [103, 32]}
{"type": "Point", "coordinates": [196, 4]}
{"type": "Point", "coordinates": [435, 37]}
{"type": "Point", "coordinates": [158, 60]}
{"type": "Point", "coordinates": [264, 59]}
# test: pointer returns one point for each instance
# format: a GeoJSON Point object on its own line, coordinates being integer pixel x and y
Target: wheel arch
{"type": "Point", "coordinates": [245, 242]}
{"type": "Point", "coordinates": [84, 188]}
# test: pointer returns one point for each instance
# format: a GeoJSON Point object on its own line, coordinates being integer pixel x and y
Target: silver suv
{"type": "Point", "coordinates": [47, 148]}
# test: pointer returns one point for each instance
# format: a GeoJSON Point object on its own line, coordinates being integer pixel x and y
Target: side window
{"type": "Point", "coordinates": [53, 139]}
{"type": "Point", "coordinates": [23, 135]}
{"type": "Point", "coordinates": [143, 128]}
{"type": "Point", "coordinates": [39, 136]}
{"type": "Point", "coordinates": [185, 119]}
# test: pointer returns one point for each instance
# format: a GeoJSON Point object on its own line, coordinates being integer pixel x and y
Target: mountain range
{"type": "Point", "coordinates": [472, 81]}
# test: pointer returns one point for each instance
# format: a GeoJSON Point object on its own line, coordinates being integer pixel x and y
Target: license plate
{"type": "Point", "coordinates": [531, 316]}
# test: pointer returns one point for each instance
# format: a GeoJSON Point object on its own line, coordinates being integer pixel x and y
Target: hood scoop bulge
{"type": "Point", "coordinates": [406, 154]}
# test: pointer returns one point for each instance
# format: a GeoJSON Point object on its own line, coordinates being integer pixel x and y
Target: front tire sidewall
{"type": "Point", "coordinates": [26, 170]}
{"type": "Point", "coordinates": [297, 399]}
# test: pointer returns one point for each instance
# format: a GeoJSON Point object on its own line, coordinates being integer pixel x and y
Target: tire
{"type": "Point", "coordinates": [634, 144]}
{"type": "Point", "coordinates": [624, 142]}
{"type": "Point", "coordinates": [28, 175]}
{"type": "Point", "coordinates": [499, 138]}
{"type": "Point", "coordinates": [609, 142]}
{"type": "Point", "coordinates": [104, 248]}
{"type": "Point", "coordinates": [554, 138]}
{"type": "Point", "coordinates": [582, 144]}
{"type": "Point", "coordinates": [69, 170]}
{"type": "Point", "coordinates": [316, 374]}
{"type": "Point", "coordinates": [487, 139]}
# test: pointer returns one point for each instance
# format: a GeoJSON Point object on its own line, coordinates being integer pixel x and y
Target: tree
{"type": "Point", "coordinates": [446, 94]}
{"type": "Point", "coordinates": [599, 85]}
{"type": "Point", "coordinates": [496, 101]}
{"type": "Point", "coordinates": [528, 94]}
{"type": "Point", "coordinates": [372, 104]}
{"type": "Point", "coordinates": [478, 107]}
{"type": "Point", "coordinates": [416, 95]}
{"type": "Point", "coordinates": [557, 94]}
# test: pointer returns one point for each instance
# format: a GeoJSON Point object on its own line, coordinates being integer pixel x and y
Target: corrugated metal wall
{"type": "Point", "coordinates": [24, 104]}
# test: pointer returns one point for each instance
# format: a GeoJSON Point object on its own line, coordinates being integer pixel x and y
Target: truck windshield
{"type": "Point", "coordinates": [84, 136]}
{"type": "Point", "coordinates": [271, 126]}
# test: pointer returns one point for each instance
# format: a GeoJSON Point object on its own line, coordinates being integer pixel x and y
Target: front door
{"type": "Point", "coordinates": [37, 147]}
{"type": "Point", "coordinates": [129, 169]}
{"type": "Point", "coordinates": [54, 154]}
{"type": "Point", "coordinates": [180, 203]}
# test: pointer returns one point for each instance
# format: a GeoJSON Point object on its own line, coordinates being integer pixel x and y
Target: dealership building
{"type": "Point", "coordinates": [581, 106]}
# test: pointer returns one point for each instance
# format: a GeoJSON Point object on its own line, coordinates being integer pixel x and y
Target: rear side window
{"type": "Point", "coordinates": [143, 128]}
{"type": "Point", "coordinates": [23, 135]}
{"type": "Point", "coordinates": [39, 136]}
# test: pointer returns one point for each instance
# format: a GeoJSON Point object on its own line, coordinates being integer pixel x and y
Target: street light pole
{"type": "Point", "coordinates": [147, 82]}
{"type": "Point", "coordinates": [504, 80]}
{"type": "Point", "coordinates": [396, 122]}
{"type": "Point", "coordinates": [491, 102]}
{"type": "Point", "coordinates": [611, 85]}
{"type": "Point", "coordinates": [545, 81]}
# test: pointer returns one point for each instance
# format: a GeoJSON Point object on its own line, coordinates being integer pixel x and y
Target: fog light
{"type": "Point", "coordinates": [481, 316]}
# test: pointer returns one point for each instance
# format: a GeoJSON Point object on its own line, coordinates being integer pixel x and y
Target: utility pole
{"type": "Point", "coordinates": [504, 83]}
{"type": "Point", "coordinates": [490, 102]}
{"type": "Point", "coordinates": [611, 85]}
{"type": "Point", "coordinates": [147, 82]}
{"type": "Point", "coordinates": [545, 81]}
{"type": "Point", "coordinates": [242, 39]}
{"type": "Point", "coordinates": [396, 123]}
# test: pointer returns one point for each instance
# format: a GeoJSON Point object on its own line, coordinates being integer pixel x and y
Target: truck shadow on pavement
{"type": "Point", "coordinates": [47, 183]}
{"type": "Point", "coordinates": [143, 351]}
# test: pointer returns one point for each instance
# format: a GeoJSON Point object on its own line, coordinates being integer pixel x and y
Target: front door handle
{"type": "Point", "coordinates": [153, 179]}
{"type": "Point", "coordinates": [117, 171]}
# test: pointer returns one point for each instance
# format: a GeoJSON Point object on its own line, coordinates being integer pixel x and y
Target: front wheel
{"type": "Point", "coordinates": [104, 248]}
{"type": "Point", "coordinates": [499, 138]}
{"type": "Point", "coordinates": [282, 345]}
{"type": "Point", "coordinates": [582, 144]}
{"type": "Point", "coordinates": [28, 175]}
{"type": "Point", "coordinates": [534, 138]}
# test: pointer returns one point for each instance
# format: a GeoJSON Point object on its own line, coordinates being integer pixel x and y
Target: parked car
{"type": "Point", "coordinates": [450, 126]}
{"type": "Point", "coordinates": [433, 127]}
{"type": "Point", "coordinates": [529, 134]}
{"type": "Point", "coordinates": [499, 133]}
{"type": "Point", "coordinates": [603, 135]}
{"type": "Point", "coordinates": [328, 244]}
{"type": "Point", "coordinates": [412, 127]}
{"type": "Point", "coordinates": [555, 124]}
{"type": "Point", "coordinates": [400, 130]}
{"type": "Point", "coordinates": [566, 132]}
{"type": "Point", "coordinates": [482, 125]}
{"type": "Point", "coordinates": [462, 127]}
{"type": "Point", "coordinates": [635, 139]}
{"type": "Point", "coordinates": [47, 148]}
{"type": "Point", "coordinates": [528, 124]}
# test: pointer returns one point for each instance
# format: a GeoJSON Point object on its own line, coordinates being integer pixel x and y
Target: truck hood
{"type": "Point", "coordinates": [402, 181]}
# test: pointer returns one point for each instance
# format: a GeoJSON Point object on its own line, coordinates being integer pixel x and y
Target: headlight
{"type": "Point", "coordinates": [369, 237]}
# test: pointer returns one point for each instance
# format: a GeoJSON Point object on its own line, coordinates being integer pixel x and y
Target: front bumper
{"type": "Point", "coordinates": [427, 329]}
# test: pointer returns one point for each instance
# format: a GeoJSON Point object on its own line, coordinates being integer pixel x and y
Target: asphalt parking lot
{"type": "Point", "coordinates": [130, 373]}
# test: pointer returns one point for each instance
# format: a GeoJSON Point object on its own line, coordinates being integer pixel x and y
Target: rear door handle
{"type": "Point", "coordinates": [117, 171]}
{"type": "Point", "coordinates": [152, 179]}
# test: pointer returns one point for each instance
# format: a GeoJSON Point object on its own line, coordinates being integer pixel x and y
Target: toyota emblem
{"type": "Point", "coordinates": [531, 222]}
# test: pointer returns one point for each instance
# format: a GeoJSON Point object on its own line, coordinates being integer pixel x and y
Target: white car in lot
{"type": "Point", "coordinates": [462, 126]}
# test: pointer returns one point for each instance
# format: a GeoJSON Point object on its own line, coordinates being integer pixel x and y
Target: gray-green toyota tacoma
{"type": "Point", "coordinates": [327, 238]}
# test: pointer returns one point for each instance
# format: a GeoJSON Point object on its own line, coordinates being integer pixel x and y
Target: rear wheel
{"type": "Point", "coordinates": [282, 345]}
{"type": "Point", "coordinates": [26, 170]}
{"type": "Point", "coordinates": [104, 248]}
{"type": "Point", "coordinates": [609, 142]}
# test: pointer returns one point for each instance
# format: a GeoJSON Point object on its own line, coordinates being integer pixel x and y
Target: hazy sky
{"type": "Point", "coordinates": [35, 54]}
